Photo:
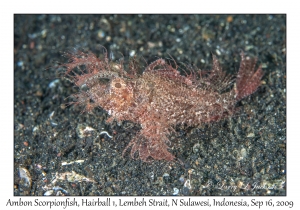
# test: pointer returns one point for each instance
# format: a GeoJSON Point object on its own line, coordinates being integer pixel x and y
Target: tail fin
{"type": "Point", "coordinates": [248, 80]}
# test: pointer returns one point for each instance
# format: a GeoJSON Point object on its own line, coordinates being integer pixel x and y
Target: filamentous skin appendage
{"type": "Point", "coordinates": [160, 97]}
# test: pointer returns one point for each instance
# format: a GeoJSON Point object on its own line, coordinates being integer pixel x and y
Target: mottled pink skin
{"type": "Point", "coordinates": [159, 98]}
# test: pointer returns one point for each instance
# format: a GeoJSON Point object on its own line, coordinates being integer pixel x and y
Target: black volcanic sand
{"type": "Point", "coordinates": [243, 155]}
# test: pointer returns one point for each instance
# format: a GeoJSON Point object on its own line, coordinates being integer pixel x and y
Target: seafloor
{"type": "Point", "coordinates": [243, 155]}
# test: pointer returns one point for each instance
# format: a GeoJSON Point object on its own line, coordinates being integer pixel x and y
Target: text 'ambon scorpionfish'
{"type": "Point", "coordinates": [160, 97]}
